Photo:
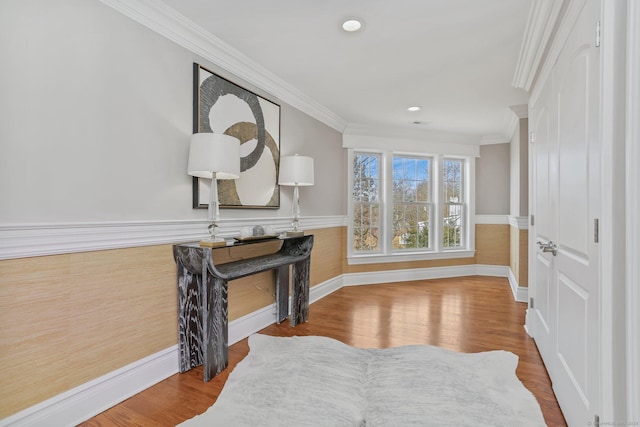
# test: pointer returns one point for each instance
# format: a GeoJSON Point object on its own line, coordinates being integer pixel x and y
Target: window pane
{"type": "Point", "coordinates": [410, 226]}
{"type": "Point", "coordinates": [452, 226]}
{"type": "Point", "coordinates": [365, 227]}
{"type": "Point", "coordinates": [366, 177]}
{"type": "Point", "coordinates": [423, 191]}
{"type": "Point", "coordinates": [411, 194]}
{"type": "Point", "coordinates": [411, 179]}
{"type": "Point", "coordinates": [424, 222]}
{"type": "Point", "coordinates": [410, 191]}
{"type": "Point", "coordinates": [452, 179]}
{"type": "Point", "coordinates": [397, 168]}
{"type": "Point", "coordinates": [409, 168]}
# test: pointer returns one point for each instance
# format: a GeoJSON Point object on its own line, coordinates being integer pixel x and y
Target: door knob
{"type": "Point", "coordinates": [549, 247]}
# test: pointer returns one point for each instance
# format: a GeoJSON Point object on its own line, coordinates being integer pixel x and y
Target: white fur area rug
{"type": "Point", "coordinates": [318, 381]}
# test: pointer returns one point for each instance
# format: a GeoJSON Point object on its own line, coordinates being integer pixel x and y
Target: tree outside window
{"type": "Point", "coordinates": [366, 202]}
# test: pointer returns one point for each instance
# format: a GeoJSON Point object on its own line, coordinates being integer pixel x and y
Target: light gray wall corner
{"type": "Point", "coordinates": [304, 135]}
{"type": "Point", "coordinates": [519, 160]}
{"type": "Point", "coordinates": [524, 167]}
{"type": "Point", "coordinates": [493, 180]}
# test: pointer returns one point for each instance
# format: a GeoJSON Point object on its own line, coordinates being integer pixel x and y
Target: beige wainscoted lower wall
{"type": "Point", "coordinates": [519, 260]}
{"type": "Point", "coordinates": [492, 244]}
{"type": "Point", "coordinates": [69, 319]}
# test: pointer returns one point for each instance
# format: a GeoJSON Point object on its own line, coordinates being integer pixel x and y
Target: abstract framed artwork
{"type": "Point", "coordinates": [220, 106]}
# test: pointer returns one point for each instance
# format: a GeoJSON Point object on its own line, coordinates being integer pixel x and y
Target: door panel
{"type": "Point", "coordinates": [573, 134]}
{"type": "Point", "coordinates": [543, 269]}
{"type": "Point", "coordinates": [573, 333]}
{"type": "Point", "coordinates": [542, 163]}
{"type": "Point", "coordinates": [566, 175]}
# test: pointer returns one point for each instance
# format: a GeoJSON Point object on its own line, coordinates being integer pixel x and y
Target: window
{"type": "Point", "coordinates": [366, 202]}
{"type": "Point", "coordinates": [409, 207]}
{"type": "Point", "coordinates": [453, 203]}
{"type": "Point", "coordinates": [411, 202]}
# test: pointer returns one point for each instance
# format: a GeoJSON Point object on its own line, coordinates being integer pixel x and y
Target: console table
{"type": "Point", "coordinates": [202, 296]}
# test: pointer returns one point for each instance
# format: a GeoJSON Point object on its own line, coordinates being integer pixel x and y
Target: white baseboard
{"type": "Point", "coordinates": [371, 278]}
{"type": "Point", "coordinates": [520, 293]}
{"type": "Point", "coordinates": [491, 270]}
{"type": "Point", "coordinates": [321, 290]}
{"type": "Point", "coordinates": [83, 402]}
{"type": "Point", "coordinates": [527, 322]}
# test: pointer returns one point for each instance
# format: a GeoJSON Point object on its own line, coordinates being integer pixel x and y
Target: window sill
{"type": "Point", "coordinates": [404, 257]}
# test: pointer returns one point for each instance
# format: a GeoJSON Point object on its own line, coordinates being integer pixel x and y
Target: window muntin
{"type": "Point", "coordinates": [366, 202]}
{"type": "Point", "coordinates": [411, 202]}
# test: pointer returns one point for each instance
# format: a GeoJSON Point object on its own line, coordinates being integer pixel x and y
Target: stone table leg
{"type": "Point", "coordinates": [215, 327]}
{"type": "Point", "coordinates": [282, 293]}
{"type": "Point", "coordinates": [189, 319]}
{"type": "Point", "coordinates": [300, 291]}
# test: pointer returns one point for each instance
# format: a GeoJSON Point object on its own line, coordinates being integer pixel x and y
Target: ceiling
{"type": "Point", "coordinates": [454, 58]}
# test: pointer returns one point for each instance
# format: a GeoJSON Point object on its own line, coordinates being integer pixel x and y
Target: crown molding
{"type": "Point", "coordinates": [509, 124]}
{"type": "Point", "coordinates": [494, 139]}
{"type": "Point", "coordinates": [408, 145]}
{"type": "Point", "coordinates": [512, 117]}
{"type": "Point", "coordinates": [521, 111]}
{"type": "Point", "coordinates": [174, 26]}
{"type": "Point", "coordinates": [361, 129]}
{"type": "Point", "coordinates": [543, 15]}
{"type": "Point", "coordinates": [569, 15]}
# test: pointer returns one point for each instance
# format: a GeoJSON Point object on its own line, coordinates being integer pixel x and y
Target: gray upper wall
{"type": "Point", "coordinates": [493, 180]}
{"type": "Point", "coordinates": [96, 115]}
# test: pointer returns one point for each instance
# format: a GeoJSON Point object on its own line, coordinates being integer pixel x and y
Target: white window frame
{"type": "Point", "coordinates": [430, 203]}
{"type": "Point", "coordinates": [380, 203]}
{"type": "Point", "coordinates": [386, 253]}
{"type": "Point", "coordinates": [464, 204]}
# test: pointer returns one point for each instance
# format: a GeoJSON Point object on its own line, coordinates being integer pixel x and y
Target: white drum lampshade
{"type": "Point", "coordinates": [296, 170]}
{"type": "Point", "coordinates": [214, 152]}
{"type": "Point", "coordinates": [214, 156]}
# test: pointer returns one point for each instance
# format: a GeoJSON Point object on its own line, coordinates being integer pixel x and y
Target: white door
{"type": "Point", "coordinates": [566, 163]}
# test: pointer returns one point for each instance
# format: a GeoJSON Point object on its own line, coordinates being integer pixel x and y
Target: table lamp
{"type": "Point", "coordinates": [296, 171]}
{"type": "Point", "coordinates": [214, 156]}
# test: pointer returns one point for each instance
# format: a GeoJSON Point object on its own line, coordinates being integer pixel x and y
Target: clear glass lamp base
{"type": "Point", "coordinates": [213, 240]}
{"type": "Point", "coordinates": [295, 231]}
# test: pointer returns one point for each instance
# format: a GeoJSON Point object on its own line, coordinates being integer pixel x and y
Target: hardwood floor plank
{"type": "Point", "coordinates": [469, 314]}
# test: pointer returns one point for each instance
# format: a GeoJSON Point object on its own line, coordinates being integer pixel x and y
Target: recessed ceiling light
{"type": "Point", "coordinates": [351, 25]}
{"type": "Point", "coordinates": [415, 108]}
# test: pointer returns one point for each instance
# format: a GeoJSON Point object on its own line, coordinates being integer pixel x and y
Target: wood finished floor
{"type": "Point", "coordinates": [470, 314]}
